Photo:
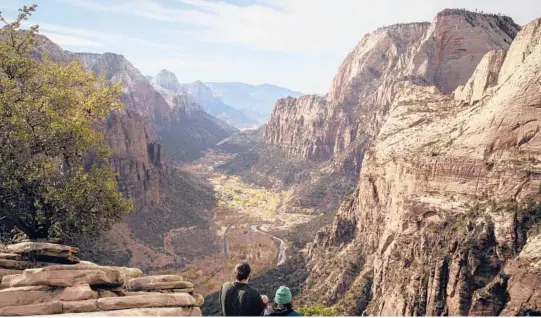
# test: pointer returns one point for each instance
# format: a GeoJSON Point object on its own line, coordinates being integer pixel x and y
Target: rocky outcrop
{"type": "Point", "coordinates": [167, 80]}
{"type": "Point", "coordinates": [87, 288]}
{"type": "Point", "coordinates": [443, 54]}
{"type": "Point", "coordinates": [136, 157]}
{"type": "Point", "coordinates": [446, 214]}
{"type": "Point", "coordinates": [484, 78]}
{"type": "Point", "coordinates": [139, 95]}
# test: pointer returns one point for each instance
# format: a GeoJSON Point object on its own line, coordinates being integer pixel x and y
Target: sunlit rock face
{"type": "Point", "coordinates": [443, 54]}
{"type": "Point", "coordinates": [434, 227]}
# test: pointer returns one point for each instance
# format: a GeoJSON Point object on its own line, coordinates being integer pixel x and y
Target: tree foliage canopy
{"type": "Point", "coordinates": [54, 178]}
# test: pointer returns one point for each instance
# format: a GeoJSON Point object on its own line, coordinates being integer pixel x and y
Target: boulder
{"type": "Point", "coordinates": [157, 282]}
{"type": "Point", "coordinates": [46, 252]}
{"type": "Point", "coordinates": [89, 305]}
{"type": "Point", "coordinates": [20, 296]}
{"type": "Point", "coordinates": [146, 301]}
{"type": "Point", "coordinates": [65, 276]}
{"type": "Point", "coordinates": [167, 312]}
{"type": "Point", "coordinates": [49, 308]}
{"type": "Point", "coordinates": [78, 292]}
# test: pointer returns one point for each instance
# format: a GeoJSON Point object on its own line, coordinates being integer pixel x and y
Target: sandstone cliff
{"type": "Point", "coordinates": [335, 131]}
{"type": "Point", "coordinates": [445, 217]}
{"type": "Point", "coordinates": [443, 54]}
{"type": "Point", "coordinates": [165, 200]}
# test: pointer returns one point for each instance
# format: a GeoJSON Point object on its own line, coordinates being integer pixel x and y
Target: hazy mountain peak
{"type": "Point", "coordinates": [167, 80]}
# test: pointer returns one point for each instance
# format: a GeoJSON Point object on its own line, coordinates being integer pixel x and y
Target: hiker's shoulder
{"type": "Point", "coordinates": [228, 285]}
{"type": "Point", "coordinates": [249, 291]}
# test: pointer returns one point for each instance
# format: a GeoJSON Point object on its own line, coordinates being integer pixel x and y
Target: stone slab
{"type": "Point", "coordinates": [20, 296]}
{"type": "Point", "coordinates": [80, 306]}
{"type": "Point", "coordinates": [48, 252]}
{"type": "Point", "coordinates": [152, 312]}
{"type": "Point", "coordinates": [6, 272]}
{"type": "Point", "coordinates": [157, 282]}
{"type": "Point", "coordinates": [146, 301]}
{"type": "Point", "coordinates": [78, 292]}
{"type": "Point", "coordinates": [14, 264]}
{"type": "Point", "coordinates": [127, 272]}
{"type": "Point", "coordinates": [12, 256]}
{"type": "Point", "coordinates": [64, 277]}
{"type": "Point", "coordinates": [51, 248]}
{"type": "Point", "coordinates": [49, 308]}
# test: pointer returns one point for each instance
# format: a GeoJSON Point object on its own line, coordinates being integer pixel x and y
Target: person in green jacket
{"type": "Point", "coordinates": [238, 298]}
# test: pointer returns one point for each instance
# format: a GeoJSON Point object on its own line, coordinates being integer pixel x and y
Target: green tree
{"type": "Point", "coordinates": [317, 310]}
{"type": "Point", "coordinates": [54, 178]}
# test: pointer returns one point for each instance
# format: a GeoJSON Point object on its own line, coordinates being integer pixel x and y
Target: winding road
{"type": "Point", "coordinates": [225, 239]}
{"type": "Point", "coordinates": [282, 246]}
{"type": "Point", "coordinates": [282, 256]}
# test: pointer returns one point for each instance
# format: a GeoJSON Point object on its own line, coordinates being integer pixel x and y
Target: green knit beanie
{"type": "Point", "coordinates": [283, 296]}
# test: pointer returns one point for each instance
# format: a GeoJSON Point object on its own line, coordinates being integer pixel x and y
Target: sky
{"type": "Point", "coordinates": [297, 44]}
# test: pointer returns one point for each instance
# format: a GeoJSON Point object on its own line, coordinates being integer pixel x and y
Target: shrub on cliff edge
{"type": "Point", "coordinates": [317, 310]}
{"type": "Point", "coordinates": [54, 177]}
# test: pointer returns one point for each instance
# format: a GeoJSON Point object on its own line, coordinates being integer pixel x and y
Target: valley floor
{"type": "Point", "coordinates": [246, 220]}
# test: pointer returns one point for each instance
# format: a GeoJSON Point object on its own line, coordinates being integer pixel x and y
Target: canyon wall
{"type": "Point", "coordinates": [165, 200]}
{"type": "Point", "coordinates": [443, 54]}
{"type": "Point", "coordinates": [444, 220]}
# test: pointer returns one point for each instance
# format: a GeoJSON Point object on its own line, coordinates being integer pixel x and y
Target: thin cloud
{"type": "Point", "coordinates": [93, 37]}
{"type": "Point", "coordinates": [295, 43]}
{"type": "Point", "coordinates": [66, 40]}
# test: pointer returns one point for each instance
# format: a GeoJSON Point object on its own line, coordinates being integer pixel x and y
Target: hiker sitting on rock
{"type": "Point", "coordinates": [282, 303]}
{"type": "Point", "coordinates": [239, 299]}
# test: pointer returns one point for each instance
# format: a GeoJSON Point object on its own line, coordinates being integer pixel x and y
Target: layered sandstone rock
{"type": "Point", "coordinates": [446, 213]}
{"type": "Point", "coordinates": [84, 287]}
{"type": "Point", "coordinates": [444, 54]}
{"type": "Point", "coordinates": [335, 131]}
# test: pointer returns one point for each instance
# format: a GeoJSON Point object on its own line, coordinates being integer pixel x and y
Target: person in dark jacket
{"type": "Point", "coordinates": [282, 303]}
{"type": "Point", "coordinates": [238, 298]}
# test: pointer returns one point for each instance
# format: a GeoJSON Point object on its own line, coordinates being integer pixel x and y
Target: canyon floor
{"type": "Point", "coordinates": [247, 224]}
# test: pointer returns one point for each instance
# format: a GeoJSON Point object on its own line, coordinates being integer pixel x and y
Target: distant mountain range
{"type": "Point", "coordinates": [257, 101]}
{"type": "Point", "coordinates": [238, 104]}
